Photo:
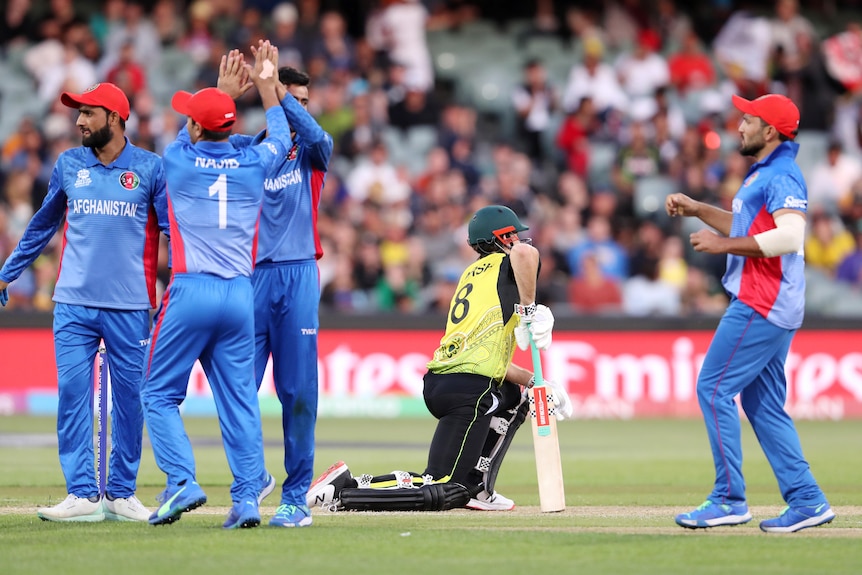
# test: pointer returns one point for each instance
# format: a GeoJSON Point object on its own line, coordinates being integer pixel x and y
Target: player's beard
{"type": "Point", "coordinates": [752, 148]}
{"type": "Point", "coordinates": [98, 139]}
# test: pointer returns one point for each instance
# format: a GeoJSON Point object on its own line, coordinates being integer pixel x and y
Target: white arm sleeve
{"type": "Point", "coordinates": [787, 237]}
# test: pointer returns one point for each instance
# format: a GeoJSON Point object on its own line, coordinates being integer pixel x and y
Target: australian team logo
{"type": "Point", "coordinates": [291, 155]}
{"type": "Point", "coordinates": [130, 180]}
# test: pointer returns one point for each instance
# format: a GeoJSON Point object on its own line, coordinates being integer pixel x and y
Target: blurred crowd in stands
{"type": "Point", "coordinates": [584, 152]}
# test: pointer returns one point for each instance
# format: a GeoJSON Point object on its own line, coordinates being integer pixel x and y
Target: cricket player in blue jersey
{"type": "Point", "coordinates": [112, 197]}
{"type": "Point", "coordinates": [763, 238]}
{"type": "Point", "coordinates": [287, 281]}
{"type": "Point", "coordinates": [214, 199]}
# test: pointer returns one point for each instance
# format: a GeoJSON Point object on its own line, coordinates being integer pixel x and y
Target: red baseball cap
{"type": "Point", "coordinates": [211, 108]}
{"type": "Point", "coordinates": [106, 95]}
{"type": "Point", "coordinates": [776, 110]}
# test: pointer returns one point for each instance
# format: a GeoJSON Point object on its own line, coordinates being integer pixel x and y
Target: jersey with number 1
{"type": "Point", "coordinates": [480, 329]}
{"type": "Point", "coordinates": [214, 198]}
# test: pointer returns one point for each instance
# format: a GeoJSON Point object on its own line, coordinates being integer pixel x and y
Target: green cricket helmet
{"type": "Point", "coordinates": [489, 224]}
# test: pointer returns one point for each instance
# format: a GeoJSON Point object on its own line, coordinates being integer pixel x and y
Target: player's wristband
{"type": "Point", "coordinates": [525, 310]}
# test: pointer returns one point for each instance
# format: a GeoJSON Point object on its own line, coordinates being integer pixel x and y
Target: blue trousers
{"type": "Point", "coordinates": [747, 357]}
{"type": "Point", "coordinates": [286, 302]}
{"type": "Point", "coordinates": [77, 332]}
{"type": "Point", "coordinates": [207, 318]}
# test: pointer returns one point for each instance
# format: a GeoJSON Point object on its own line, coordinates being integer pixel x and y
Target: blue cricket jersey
{"type": "Point", "coordinates": [214, 195]}
{"type": "Point", "coordinates": [773, 287]}
{"type": "Point", "coordinates": [110, 238]}
{"type": "Point", "coordinates": [288, 222]}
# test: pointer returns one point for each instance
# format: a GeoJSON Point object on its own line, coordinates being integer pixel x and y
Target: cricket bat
{"type": "Point", "coordinates": [546, 443]}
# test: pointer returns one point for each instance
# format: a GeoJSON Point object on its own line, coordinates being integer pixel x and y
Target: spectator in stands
{"type": "Point", "coordinates": [672, 267]}
{"type": "Point", "coordinates": [647, 294]}
{"type": "Point", "coordinates": [398, 31]}
{"type": "Point", "coordinates": [19, 207]}
{"type": "Point", "coordinates": [573, 137]}
{"type": "Point", "coordinates": [690, 67]}
{"type": "Point", "coordinates": [284, 18]}
{"type": "Point", "coordinates": [622, 21]}
{"type": "Point", "coordinates": [333, 45]}
{"type": "Point", "coordinates": [198, 38]}
{"type": "Point", "coordinates": [416, 108]}
{"type": "Point", "coordinates": [647, 244]}
{"type": "Point", "coordinates": [336, 113]}
{"type": "Point", "coordinates": [643, 69]}
{"type": "Point", "coordinates": [356, 141]}
{"type": "Point", "coordinates": [831, 183]}
{"type": "Point", "coordinates": [787, 26]}
{"type": "Point", "coordinates": [367, 268]}
{"type": "Point", "coordinates": [535, 100]}
{"type": "Point", "coordinates": [594, 79]}
{"type": "Point", "coordinates": [128, 74]}
{"type": "Point", "coordinates": [18, 27]}
{"type": "Point", "coordinates": [437, 165]}
{"type": "Point", "coordinates": [672, 24]}
{"type": "Point", "coordinates": [850, 269]}
{"type": "Point", "coordinates": [138, 29]}
{"type": "Point", "coordinates": [742, 50]}
{"type": "Point", "coordinates": [169, 25]}
{"type": "Point", "coordinates": [592, 291]}
{"type": "Point", "coordinates": [375, 179]}
{"type": "Point", "coordinates": [637, 159]}
{"type": "Point", "coordinates": [611, 257]}
{"type": "Point", "coordinates": [702, 295]}
{"type": "Point", "coordinates": [828, 242]}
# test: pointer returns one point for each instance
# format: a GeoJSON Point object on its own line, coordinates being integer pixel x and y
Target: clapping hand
{"type": "Point", "coordinates": [233, 77]}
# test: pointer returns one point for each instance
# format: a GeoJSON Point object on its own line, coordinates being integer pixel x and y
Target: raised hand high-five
{"type": "Point", "coordinates": [233, 77]}
{"type": "Point", "coordinates": [264, 72]}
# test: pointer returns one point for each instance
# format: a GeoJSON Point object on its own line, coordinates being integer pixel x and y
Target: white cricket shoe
{"type": "Point", "coordinates": [326, 489]}
{"type": "Point", "coordinates": [125, 509]}
{"type": "Point", "coordinates": [485, 501]}
{"type": "Point", "coordinates": [73, 508]}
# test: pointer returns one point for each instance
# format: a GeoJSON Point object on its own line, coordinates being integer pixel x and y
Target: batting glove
{"type": "Point", "coordinates": [535, 320]}
{"type": "Point", "coordinates": [560, 397]}
{"type": "Point", "coordinates": [4, 297]}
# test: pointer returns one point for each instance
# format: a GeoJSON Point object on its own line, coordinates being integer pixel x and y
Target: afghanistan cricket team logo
{"type": "Point", "coordinates": [291, 155]}
{"type": "Point", "coordinates": [130, 180]}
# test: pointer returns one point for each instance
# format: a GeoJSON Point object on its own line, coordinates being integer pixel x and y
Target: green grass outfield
{"type": "Point", "coordinates": [625, 480]}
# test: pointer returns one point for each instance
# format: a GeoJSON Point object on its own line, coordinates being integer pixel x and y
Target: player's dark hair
{"type": "Point", "coordinates": [214, 135]}
{"type": "Point", "coordinates": [293, 77]}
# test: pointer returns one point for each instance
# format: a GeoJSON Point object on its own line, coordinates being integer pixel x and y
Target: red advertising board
{"type": "Point", "coordinates": [608, 374]}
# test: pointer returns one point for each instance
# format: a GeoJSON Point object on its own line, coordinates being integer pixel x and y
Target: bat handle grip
{"type": "Point", "coordinates": [537, 363]}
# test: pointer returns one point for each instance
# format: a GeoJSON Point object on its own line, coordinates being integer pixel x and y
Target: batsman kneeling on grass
{"type": "Point", "coordinates": [472, 387]}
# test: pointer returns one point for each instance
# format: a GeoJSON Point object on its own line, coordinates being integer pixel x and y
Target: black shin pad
{"type": "Point", "coordinates": [434, 497]}
{"type": "Point", "coordinates": [499, 439]}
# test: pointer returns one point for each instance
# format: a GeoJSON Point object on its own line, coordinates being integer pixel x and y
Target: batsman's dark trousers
{"type": "Point", "coordinates": [286, 301]}
{"type": "Point", "coordinates": [207, 318]}
{"type": "Point", "coordinates": [77, 333]}
{"type": "Point", "coordinates": [464, 405]}
{"type": "Point", "coordinates": [746, 357]}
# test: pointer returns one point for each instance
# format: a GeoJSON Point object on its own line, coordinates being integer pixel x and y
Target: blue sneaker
{"type": "Point", "coordinates": [291, 516]}
{"type": "Point", "coordinates": [267, 488]}
{"type": "Point", "coordinates": [796, 518]}
{"type": "Point", "coordinates": [711, 514]}
{"type": "Point", "coordinates": [182, 498]}
{"type": "Point", "coordinates": [244, 514]}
